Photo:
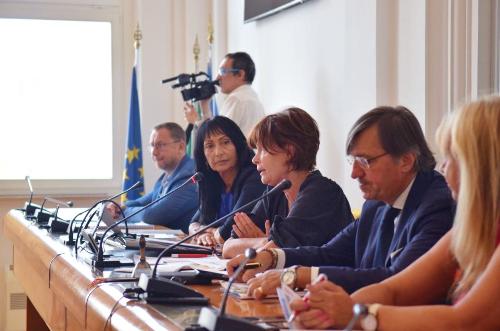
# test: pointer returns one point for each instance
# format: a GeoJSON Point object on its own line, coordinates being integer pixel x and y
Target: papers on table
{"type": "Point", "coordinates": [173, 264]}
{"type": "Point", "coordinates": [239, 291]}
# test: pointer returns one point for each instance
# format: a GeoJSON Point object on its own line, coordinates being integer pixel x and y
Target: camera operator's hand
{"type": "Point", "coordinates": [190, 114]}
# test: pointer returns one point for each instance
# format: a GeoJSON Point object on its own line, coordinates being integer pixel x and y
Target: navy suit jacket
{"type": "Point", "coordinates": [174, 211]}
{"type": "Point", "coordinates": [349, 258]}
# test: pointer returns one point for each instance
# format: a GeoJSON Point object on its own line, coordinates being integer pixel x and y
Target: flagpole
{"type": "Point", "coordinates": [137, 43]}
{"type": "Point", "coordinates": [196, 53]}
{"type": "Point", "coordinates": [137, 54]}
{"type": "Point", "coordinates": [210, 38]}
{"type": "Point", "coordinates": [133, 168]}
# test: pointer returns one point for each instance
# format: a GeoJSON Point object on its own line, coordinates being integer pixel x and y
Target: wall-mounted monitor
{"type": "Point", "coordinates": [257, 9]}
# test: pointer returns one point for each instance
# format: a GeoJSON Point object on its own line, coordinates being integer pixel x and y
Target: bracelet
{"type": "Point", "coordinates": [274, 256]}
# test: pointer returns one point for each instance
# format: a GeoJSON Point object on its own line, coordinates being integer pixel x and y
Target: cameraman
{"type": "Point", "coordinates": [236, 74]}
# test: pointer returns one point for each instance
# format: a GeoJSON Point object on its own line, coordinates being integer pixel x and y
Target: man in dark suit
{"type": "Point", "coordinates": [408, 208]}
{"type": "Point", "coordinates": [168, 151]}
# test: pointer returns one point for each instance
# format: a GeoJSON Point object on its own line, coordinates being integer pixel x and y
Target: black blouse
{"type": "Point", "coordinates": [319, 212]}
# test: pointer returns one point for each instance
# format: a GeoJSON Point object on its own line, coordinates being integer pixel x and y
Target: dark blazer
{"type": "Point", "coordinates": [174, 211]}
{"type": "Point", "coordinates": [319, 212]}
{"type": "Point", "coordinates": [349, 258]}
{"type": "Point", "coordinates": [246, 187]}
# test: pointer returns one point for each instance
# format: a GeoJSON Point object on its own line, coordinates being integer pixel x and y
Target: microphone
{"type": "Point", "coordinates": [56, 225]}
{"type": "Point", "coordinates": [43, 216]}
{"type": "Point", "coordinates": [70, 240]}
{"type": "Point", "coordinates": [250, 253]}
{"type": "Point", "coordinates": [158, 286]}
{"type": "Point", "coordinates": [29, 207]}
{"type": "Point", "coordinates": [212, 321]}
{"type": "Point", "coordinates": [68, 204]}
{"type": "Point", "coordinates": [98, 261]}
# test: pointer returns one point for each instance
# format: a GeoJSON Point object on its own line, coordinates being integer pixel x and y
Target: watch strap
{"type": "Point", "coordinates": [373, 309]}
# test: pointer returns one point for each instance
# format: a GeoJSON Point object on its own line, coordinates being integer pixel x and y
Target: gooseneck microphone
{"type": "Point", "coordinates": [153, 284]}
{"type": "Point", "coordinates": [59, 202]}
{"type": "Point", "coordinates": [43, 216]}
{"type": "Point", "coordinates": [99, 259]}
{"type": "Point", "coordinates": [214, 320]}
{"type": "Point", "coordinates": [86, 222]}
{"type": "Point", "coordinates": [250, 253]}
{"type": "Point", "coordinates": [29, 207]}
{"type": "Point", "coordinates": [55, 225]}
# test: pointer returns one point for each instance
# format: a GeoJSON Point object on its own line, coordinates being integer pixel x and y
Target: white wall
{"type": "Point", "coordinates": [336, 59]}
{"type": "Point", "coordinates": [339, 58]}
{"type": "Point", "coordinates": [169, 28]}
{"type": "Point", "coordinates": [320, 56]}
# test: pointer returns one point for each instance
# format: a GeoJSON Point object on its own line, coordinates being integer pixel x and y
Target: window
{"type": "Point", "coordinates": [56, 109]}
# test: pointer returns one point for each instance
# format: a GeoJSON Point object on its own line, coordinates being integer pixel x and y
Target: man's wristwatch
{"type": "Point", "coordinates": [289, 276]}
{"type": "Point", "coordinates": [369, 321]}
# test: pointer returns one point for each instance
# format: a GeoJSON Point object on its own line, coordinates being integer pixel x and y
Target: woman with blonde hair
{"type": "Point", "coordinates": [455, 285]}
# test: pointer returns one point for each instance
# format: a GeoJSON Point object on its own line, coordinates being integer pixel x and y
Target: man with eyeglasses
{"type": "Point", "coordinates": [167, 145]}
{"type": "Point", "coordinates": [408, 208]}
{"type": "Point", "coordinates": [236, 74]}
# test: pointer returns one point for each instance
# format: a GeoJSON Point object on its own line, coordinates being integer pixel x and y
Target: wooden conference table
{"type": "Point", "coordinates": [60, 296]}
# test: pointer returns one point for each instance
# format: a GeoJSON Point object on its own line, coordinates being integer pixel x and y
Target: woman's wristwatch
{"type": "Point", "coordinates": [368, 314]}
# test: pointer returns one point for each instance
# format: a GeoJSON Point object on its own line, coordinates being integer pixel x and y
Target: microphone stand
{"type": "Point", "coordinates": [70, 241]}
{"type": "Point", "coordinates": [212, 320]}
{"type": "Point", "coordinates": [98, 260]}
{"type": "Point", "coordinates": [56, 225]}
{"type": "Point", "coordinates": [29, 207]}
{"type": "Point", "coordinates": [84, 224]}
{"type": "Point", "coordinates": [42, 217]}
{"type": "Point", "coordinates": [160, 286]}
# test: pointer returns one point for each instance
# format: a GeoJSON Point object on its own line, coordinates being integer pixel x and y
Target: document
{"type": "Point", "coordinates": [173, 264]}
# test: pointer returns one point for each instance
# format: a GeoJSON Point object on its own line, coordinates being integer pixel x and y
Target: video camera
{"type": "Point", "coordinates": [192, 89]}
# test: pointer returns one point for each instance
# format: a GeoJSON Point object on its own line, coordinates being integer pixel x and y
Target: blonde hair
{"type": "Point", "coordinates": [474, 134]}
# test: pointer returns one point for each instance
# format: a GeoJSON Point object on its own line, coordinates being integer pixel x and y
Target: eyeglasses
{"type": "Point", "coordinates": [363, 161]}
{"type": "Point", "coordinates": [161, 146]}
{"type": "Point", "coordinates": [225, 71]}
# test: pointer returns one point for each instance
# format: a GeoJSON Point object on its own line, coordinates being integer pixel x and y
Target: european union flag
{"type": "Point", "coordinates": [133, 170]}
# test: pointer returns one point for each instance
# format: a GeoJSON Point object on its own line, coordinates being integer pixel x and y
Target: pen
{"type": "Point", "coordinates": [305, 298]}
{"type": "Point", "coordinates": [192, 255]}
{"type": "Point", "coordinates": [252, 265]}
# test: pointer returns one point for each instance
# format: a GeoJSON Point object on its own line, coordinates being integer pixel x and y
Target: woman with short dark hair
{"type": "Point", "coordinates": [312, 211]}
{"type": "Point", "coordinates": [230, 179]}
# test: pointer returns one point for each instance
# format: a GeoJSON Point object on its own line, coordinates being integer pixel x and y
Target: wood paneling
{"type": "Point", "coordinates": [64, 300]}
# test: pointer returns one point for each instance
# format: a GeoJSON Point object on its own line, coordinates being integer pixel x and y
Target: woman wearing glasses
{"type": "Point", "coordinates": [463, 268]}
{"type": "Point", "coordinates": [312, 211]}
{"type": "Point", "coordinates": [230, 179]}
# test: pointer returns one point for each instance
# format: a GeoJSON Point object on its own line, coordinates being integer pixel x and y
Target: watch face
{"type": "Point", "coordinates": [288, 277]}
{"type": "Point", "coordinates": [369, 323]}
